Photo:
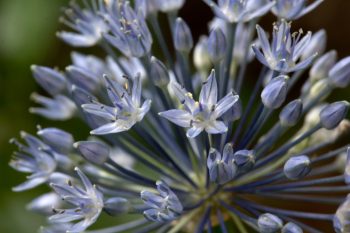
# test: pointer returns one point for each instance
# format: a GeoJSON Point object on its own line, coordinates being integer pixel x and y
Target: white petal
{"type": "Point", "coordinates": [179, 117]}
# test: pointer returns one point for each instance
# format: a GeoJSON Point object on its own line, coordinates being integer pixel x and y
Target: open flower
{"type": "Point", "coordinates": [87, 24]}
{"type": "Point", "coordinates": [238, 10]}
{"type": "Point", "coordinates": [204, 114]}
{"type": "Point", "coordinates": [88, 202]}
{"type": "Point", "coordinates": [127, 109]}
{"type": "Point", "coordinates": [285, 50]}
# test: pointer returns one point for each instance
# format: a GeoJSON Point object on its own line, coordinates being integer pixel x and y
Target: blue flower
{"type": "Point", "coordinates": [293, 9]}
{"type": "Point", "coordinates": [204, 114]}
{"type": "Point", "coordinates": [127, 109]}
{"type": "Point", "coordinates": [162, 207]}
{"type": "Point", "coordinates": [89, 27]}
{"type": "Point", "coordinates": [252, 161]}
{"type": "Point", "coordinates": [129, 31]}
{"type": "Point", "coordinates": [285, 50]}
{"type": "Point", "coordinates": [87, 200]}
{"type": "Point", "coordinates": [238, 10]}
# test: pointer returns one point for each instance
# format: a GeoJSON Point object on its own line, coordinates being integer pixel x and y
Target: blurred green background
{"type": "Point", "coordinates": [27, 36]}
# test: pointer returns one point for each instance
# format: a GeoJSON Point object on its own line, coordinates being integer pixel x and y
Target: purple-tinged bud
{"type": "Point", "coordinates": [93, 151]}
{"type": "Point", "coordinates": [60, 140]}
{"type": "Point", "coordinates": [291, 113]}
{"type": "Point", "coordinates": [339, 75]}
{"type": "Point", "coordinates": [297, 167]}
{"type": "Point", "coordinates": [216, 45]}
{"type": "Point", "coordinates": [51, 80]}
{"type": "Point", "coordinates": [322, 65]}
{"type": "Point", "coordinates": [317, 44]}
{"type": "Point", "coordinates": [159, 72]}
{"type": "Point", "coordinates": [291, 228]}
{"type": "Point", "coordinates": [333, 114]}
{"type": "Point", "coordinates": [269, 223]}
{"type": "Point", "coordinates": [116, 205]}
{"type": "Point", "coordinates": [234, 113]}
{"type": "Point", "coordinates": [274, 94]}
{"type": "Point", "coordinates": [183, 40]}
{"type": "Point", "coordinates": [244, 159]}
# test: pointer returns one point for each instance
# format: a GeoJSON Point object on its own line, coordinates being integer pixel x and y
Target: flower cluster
{"type": "Point", "coordinates": [181, 143]}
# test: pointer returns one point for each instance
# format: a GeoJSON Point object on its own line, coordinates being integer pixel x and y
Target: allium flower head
{"type": "Point", "coordinates": [210, 154]}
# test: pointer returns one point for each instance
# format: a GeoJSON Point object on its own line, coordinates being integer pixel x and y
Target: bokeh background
{"type": "Point", "coordinates": [27, 36]}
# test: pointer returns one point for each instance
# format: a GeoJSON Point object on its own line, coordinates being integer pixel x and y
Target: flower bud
{"type": "Point", "coordinates": [93, 151]}
{"type": "Point", "coordinates": [339, 75]}
{"type": "Point", "coordinates": [116, 205]}
{"type": "Point", "coordinates": [291, 228]}
{"type": "Point", "coordinates": [234, 113]}
{"type": "Point", "coordinates": [183, 40]}
{"type": "Point", "coordinates": [244, 159]}
{"type": "Point", "coordinates": [269, 223]}
{"type": "Point", "coordinates": [317, 44]}
{"type": "Point", "coordinates": [333, 114]}
{"type": "Point", "coordinates": [291, 113]}
{"type": "Point", "coordinates": [274, 94]}
{"type": "Point", "coordinates": [169, 5]}
{"type": "Point", "coordinates": [221, 169]}
{"type": "Point", "coordinates": [58, 139]}
{"type": "Point", "coordinates": [341, 219]}
{"type": "Point", "coordinates": [347, 167]}
{"type": "Point", "coordinates": [147, 7]}
{"type": "Point", "coordinates": [51, 80]}
{"type": "Point", "coordinates": [216, 45]}
{"type": "Point", "coordinates": [322, 65]}
{"type": "Point", "coordinates": [201, 57]}
{"type": "Point", "coordinates": [297, 167]}
{"type": "Point", "coordinates": [159, 72]}
{"type": "Point", "coordinates": [43, 204]}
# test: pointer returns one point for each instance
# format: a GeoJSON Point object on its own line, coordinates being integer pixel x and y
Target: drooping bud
{"type": "Point", "coordinates": [274, 94]}
{"type": "Point", "coordinates": [297, 167]}
{"type": "Point", "coordinates": [291, 113]}
{"type": "Point", "coordinates": [183, 40]}
{"type": "Point", "coordinates": [116, 205]}
{"type": "Point", "coordinates": [339, 75]}
{"type": "Point", "coordinates": [322, 65]}
{"type": "Point", "coordinates": [317, 44]}
{"type": "Point", "coordinates": [291, 228]}
{"type": "Point", "coordinates": [269, 223]}
{"type": "Point", "coordinates": [159, 72]}
{"type": "Point", "coordinates": [333, 114]}
{"type": "Point", "coordinates": [60, 140]}
{"type": "Point", "coordinates": [51, 80]}
{"type": "Point", "coordinates": [93, 151]}
{"type": "Point", "coordinates": [216, 45]}
{"type": "Point", "coordinates": [244, 159]}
